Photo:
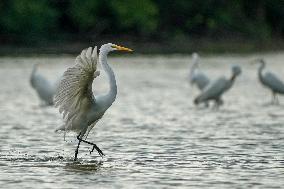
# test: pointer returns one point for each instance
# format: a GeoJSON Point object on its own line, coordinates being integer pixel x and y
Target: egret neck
{"type": "Point", "coordinates": [34, 69]}
{"type": "Point", "coordinates": [233, 77]}
{"type": "Point", "coordinates": [33, 74]}
{"type": "Point", "coordinates": [111, 95]}
{"type": "Point", "coordinates": [260, 69]}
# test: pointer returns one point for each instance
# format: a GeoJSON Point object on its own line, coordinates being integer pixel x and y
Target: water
{"type": "Point", "coordinates": [153, 136]}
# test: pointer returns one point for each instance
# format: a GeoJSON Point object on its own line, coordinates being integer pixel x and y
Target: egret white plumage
{"type": "Point", "coordinates": [217, 88]}
{"type": "Point", "coordinates": [42, 86]}
{"type": "Point", "coordinates": [75, 99]}
{"type": "Point", "coordinates": [270, 81]}
{"type": "Point", "coordinates": [196, 77]}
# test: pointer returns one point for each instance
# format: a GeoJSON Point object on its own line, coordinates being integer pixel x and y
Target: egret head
{"type": "Point", "coordinates": [35, 66]}
{"type": "Point", "coordinates": [259, 61]}
{"type": "Point", "coordinates": [236, 69]}
{"type": "Point", "coordinates": [195, 58]}
{"type": "Point", "coordinates": [113, 47]}
{"type": "Point", "coordinates": [195, 55]}
{"type": "Point", "coordinates": [262, 62]}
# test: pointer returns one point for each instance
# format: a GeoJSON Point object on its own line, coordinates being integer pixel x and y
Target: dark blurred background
{"type": "Point", "coordinates": [149, 26]}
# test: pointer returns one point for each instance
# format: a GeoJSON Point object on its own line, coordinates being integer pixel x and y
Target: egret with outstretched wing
{"type": "Point", "coordinates": [42, 86]}
{"type": "Point", "coordinates": [270, 81]}
{"type": "Point", "coordinates": [196, 77]}
{"type": "Point", "coordinates": [217, 88]}
{"type": "Point", "coordinates": [75, 99]}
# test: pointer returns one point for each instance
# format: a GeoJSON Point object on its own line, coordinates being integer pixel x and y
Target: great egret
{"type": "Point", "coordinates": [217, 88]}
{"type": "Point", "coordinates": [270, 81]}
{"type": "Point", "coordinates": [43, 87]}
{"type": "Point", "coordinates": [75, 99]}
{"type": "Point", "coordinates": [195, 75]}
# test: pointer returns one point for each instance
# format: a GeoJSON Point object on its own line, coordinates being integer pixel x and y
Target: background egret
{"type": "Point", "coordinates": [75, 99]}
{"type": "Point", "coordinates": [217, 88]}
{"type": "Point", "coordinates": [270, 81]}
{"type": "Point", "coordinates": [42, 86]}
{"type": "Point", "coordinates": [196, 77]}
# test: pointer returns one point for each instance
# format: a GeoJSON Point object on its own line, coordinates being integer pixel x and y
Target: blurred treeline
{"type": "Point", "coordinates": [27, 21]}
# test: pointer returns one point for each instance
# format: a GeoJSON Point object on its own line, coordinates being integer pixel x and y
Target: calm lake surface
{"type": "Point", "coordinates": [153, 135]}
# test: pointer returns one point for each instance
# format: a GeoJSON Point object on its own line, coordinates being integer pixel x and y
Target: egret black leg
{"type": "Point", "coordinates": [274, 101]}
{"type": "Point", "coordinates": [216, 106]}
{"type": "Point", "coordinates": [218, 103]}
{"type": "Point", "coordinates": [77, 149]}
{"type": "Point", "coordinates": [94, 146]}
{"type": "Point", "coordinates": [206, 104]}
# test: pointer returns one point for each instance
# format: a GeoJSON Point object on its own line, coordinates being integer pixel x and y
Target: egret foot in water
{"type": "Point", "coordinates": [275, 100]}
{"type": "Point", "coordinates": [94, 147]}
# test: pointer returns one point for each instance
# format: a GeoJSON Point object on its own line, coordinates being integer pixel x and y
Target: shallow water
{"type": "Point", "coordinates": [153, 136]}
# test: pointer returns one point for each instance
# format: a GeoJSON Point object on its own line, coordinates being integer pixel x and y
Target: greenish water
{"type": "Point", "coordinates": [153, 136]}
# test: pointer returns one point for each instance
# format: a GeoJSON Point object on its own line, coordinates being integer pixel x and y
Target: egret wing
{"type": "Point", "coordinates": [274, 82]}
{"type": "Point", "coordinates": [213, 90]}
{"type": "Point", "coordinates": [201, 80]}
{"type": "Point", "coordinates": [75, 88]}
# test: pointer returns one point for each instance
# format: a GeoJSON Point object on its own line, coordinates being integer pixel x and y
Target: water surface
{"type": "Point", "coordinates": [153, 136]}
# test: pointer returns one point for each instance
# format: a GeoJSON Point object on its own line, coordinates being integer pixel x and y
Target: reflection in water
{"type": "Point", "coordinates": [153, 136]}
{"type": "Point", "coordinates": [84, 166]}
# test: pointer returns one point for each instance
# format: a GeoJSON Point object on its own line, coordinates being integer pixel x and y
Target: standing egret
{"type": "Point", "coordinates": [43, 87]}
{"type": "Point", "coordinates": [195, 75]}
{"type": "Point", "coordinates": [75, 99]}
{"type": "Point", "coordinates": [270, 81]}
{"type": "Point", "coordinates": [217, 88]}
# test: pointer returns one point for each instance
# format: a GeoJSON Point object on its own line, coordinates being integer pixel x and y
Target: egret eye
{"type": "Point", "coordinates": [113, 46]}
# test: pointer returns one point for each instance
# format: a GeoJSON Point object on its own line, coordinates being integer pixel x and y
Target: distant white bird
{"type": "Point", "coordinates": [75, 99]}
{"type": "Point", "coordinates": [270, 81]}
{"type": "Point", "coordinates": [196, 77]}
{"type": "Point", "coordinates": [42, 86]}
{"type": "Point", "coordinates": [217, 88]}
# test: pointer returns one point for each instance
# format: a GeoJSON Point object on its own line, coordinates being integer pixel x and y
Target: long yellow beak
{"type": "Point", "coordinates": [120, 48]}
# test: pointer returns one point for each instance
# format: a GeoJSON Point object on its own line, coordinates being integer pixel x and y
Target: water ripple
{"type": "Point", "coordinates": [153, 136]}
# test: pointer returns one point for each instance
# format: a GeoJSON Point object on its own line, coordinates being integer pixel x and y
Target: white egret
{"type": "Point", "coordinates": [217, 88]}
{"type": "Point", "coordinates": [75, 99]}
{"type": "Point", "coordinates": [42, 86]}
{"type": "Point", "coordinates": [195, 75]}
{"type": "Point", "coordinates": [270, 81]}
